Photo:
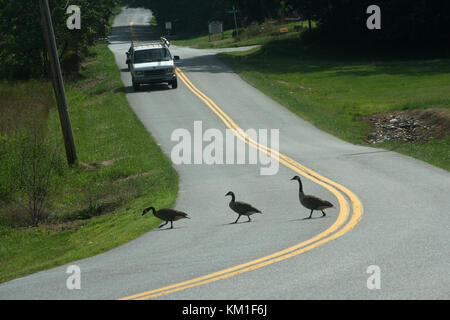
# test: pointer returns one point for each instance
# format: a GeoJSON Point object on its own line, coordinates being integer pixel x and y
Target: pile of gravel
{"type": "Point", "coordinates": [409, 126]}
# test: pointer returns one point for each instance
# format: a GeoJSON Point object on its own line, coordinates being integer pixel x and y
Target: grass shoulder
{"type": "Point", "coordinates": [96, 205]}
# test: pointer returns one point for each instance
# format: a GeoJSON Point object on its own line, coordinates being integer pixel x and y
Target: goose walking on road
{"type": "Point", "coordinates": [167, 215]}
{"type": "Point", "coordinates": [312, 202]}
{"type": "Point", "coordinates": [241, 208]}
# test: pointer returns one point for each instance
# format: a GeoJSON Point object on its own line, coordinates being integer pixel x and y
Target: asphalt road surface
{"type": "Point", "coordinates": [391, 211]}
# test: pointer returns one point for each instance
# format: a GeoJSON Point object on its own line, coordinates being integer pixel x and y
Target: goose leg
{"type": "Point", "coordinates": [323, 213]}
{"type": "Point", "coordinates": [311, 214]}
{"type": "Point", "coordinates": [171, 224]}
{"type": "Point", "coordinates": [163, 224]}
{"type": "Point", "coordinates": [237, 219]}
{"type": "Point", "coordinates": [249, 219]}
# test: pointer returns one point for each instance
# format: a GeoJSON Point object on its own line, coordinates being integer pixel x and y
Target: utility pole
{"type": "Point", "coordinates": [58, 85]}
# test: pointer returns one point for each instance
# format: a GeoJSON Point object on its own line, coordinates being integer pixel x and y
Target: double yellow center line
{"type": "Point", "coordinates": [131, 30]}
{"type": "Point", "coordinates": [342, 225]}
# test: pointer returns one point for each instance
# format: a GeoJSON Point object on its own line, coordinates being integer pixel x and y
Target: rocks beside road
{"type": "Point", "coordinates": [408, 126]}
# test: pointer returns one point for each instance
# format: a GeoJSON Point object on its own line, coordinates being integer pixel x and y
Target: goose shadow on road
{"type": "Point", "coordinates": [232, 223]}
{"type": "Point", "coordinates": [306, 218]}
{"type": "Point", "coordinates": [163, 229]}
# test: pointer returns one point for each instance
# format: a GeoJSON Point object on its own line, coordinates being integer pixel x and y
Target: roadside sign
{"type": "Point", "coordinates": [234, 10]}
{"type": "Point", "coordinates": [215, 27]}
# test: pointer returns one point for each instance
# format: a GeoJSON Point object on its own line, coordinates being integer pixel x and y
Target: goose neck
{"type": "Point", "coordinates": [300, 186]}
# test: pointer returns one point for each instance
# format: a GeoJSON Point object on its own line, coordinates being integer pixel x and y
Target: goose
{"type": "Point", "coordinates": [241, 208]}
{"type": "Point", "coordinates": [167, 215]}
{"type": "Point", "coordinates": [312, 202]}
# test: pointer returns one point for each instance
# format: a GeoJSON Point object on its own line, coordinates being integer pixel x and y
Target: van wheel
{"type": "Point", "coordinates": [174, 84]}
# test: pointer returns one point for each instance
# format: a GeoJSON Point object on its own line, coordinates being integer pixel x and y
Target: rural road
{"type": "Point", "coordinates": [402, 226]}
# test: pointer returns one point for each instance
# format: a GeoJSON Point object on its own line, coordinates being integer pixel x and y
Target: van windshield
{"type": "Point", "coordinates": [152, 55]}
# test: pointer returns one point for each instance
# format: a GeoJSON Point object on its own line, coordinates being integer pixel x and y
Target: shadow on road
{"type": "Point", "coordinates": [205, 63]}
{"type": "Point", "coordinates": [144, 88]}
{"type": "Point", "coordinates": [306, 218]}
{"type": "Point", "coordinates": [141, 33]}
{"type": "Point", "coordinates": [165, 229]}
{"type": "Point", "coordinates": [152, 87]}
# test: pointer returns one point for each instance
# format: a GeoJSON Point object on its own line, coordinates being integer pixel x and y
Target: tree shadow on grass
{"type": "Point", "coordinates": [347, 60]}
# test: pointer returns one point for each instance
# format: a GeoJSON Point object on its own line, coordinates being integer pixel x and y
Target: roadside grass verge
{"type": "Point", "coordinates": [255, 34]}
{"type": "Point", "coordinates": [333, 87]}
{"type": "Point", "coordinates": [96, 205]}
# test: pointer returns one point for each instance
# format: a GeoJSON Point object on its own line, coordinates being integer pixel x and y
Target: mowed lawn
{"type": "Point", "coordinates": [96, 205]}
{"type": "Point", "coordinates": [335, 88]}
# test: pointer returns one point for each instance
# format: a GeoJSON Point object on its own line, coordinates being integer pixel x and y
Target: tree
{"type": "Point", "coordinates": [403, 21]}
{"type": "Point", "coordinates": [309, 9]}
{"type": "Point", "coordinates": [22, 49]}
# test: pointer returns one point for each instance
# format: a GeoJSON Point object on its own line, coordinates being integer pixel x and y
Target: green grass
{"type": "Point", "coordinates": [91, 209]}
{"type": "Point", "coordinates": [334, 86]}
{"type": "Point", "coordinates": [255, 34]}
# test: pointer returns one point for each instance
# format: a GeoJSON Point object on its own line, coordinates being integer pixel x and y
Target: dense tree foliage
{"type": "Point", "coordinates": [22, 48]}
{"type": "Point", "coordinates": [403, 21]}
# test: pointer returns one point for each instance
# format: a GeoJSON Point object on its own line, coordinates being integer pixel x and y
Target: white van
{"type": "Point", "coordinates": [151, 62]}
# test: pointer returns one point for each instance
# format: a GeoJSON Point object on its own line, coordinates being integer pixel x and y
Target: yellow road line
{"type": "Point", "coordinates": [283, 254]}
{"type": "Point", "coordinates": [229, 122]}
{"type": "Point", "coordinates": [240, 133]}
{"type": "Point", "coordinates": [131, 28]}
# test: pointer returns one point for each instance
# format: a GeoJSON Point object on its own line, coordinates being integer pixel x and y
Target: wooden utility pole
{"type": "Point", "coordinates": [58, 84]}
